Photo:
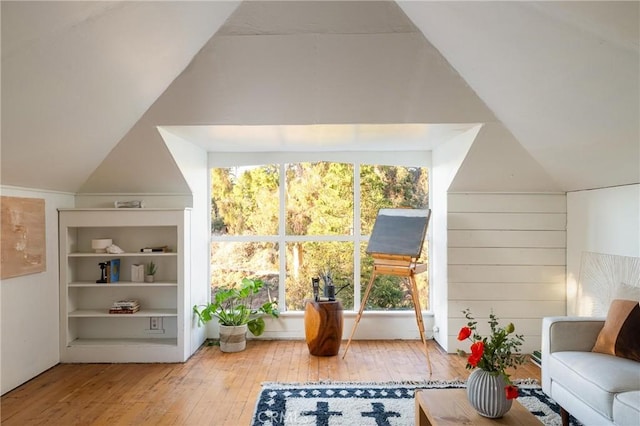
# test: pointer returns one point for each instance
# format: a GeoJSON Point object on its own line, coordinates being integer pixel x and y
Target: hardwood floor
{"type": "Point", "coordinates": [213, 388]}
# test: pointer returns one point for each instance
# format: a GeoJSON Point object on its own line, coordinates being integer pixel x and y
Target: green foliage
{"type": "Point", "coordinates": [319, 198]}
{"type": "Point", "coordinates": [245, 204]}
{"type": "Point", "coordinates": [389, 187]}
{"type": "Point", "coordinates": [388, 293]}
{"type": "Point", "coordinates": [232, 306]}
{"type": "Point", "coordinates": [150, 268]}
{"type": "Point", "coordinates": [318, 257]}
{"type": "Point", "coordinates": [496, 352]}
{"type": "Point", "coordinates": [319, 202]}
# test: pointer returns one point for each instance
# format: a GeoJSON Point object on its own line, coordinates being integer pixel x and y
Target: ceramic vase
{"type": "Point", "coordinates": [487, 395]}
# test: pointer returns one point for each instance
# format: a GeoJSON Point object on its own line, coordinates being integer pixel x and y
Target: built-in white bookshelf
{"type": "Point", "coordinates": [160, 330]}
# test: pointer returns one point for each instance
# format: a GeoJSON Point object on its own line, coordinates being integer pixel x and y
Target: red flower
{"type": "Point", "coordinates": [473, 360]}
{"type": "Point", "coordinates": [511, 391]}
{"type": "Point", "coordinates": [477, 349]}
{"type": "Point", "coordinates": [465, 332]}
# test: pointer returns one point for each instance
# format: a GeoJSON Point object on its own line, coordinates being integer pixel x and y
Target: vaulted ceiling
{"type": "Point", "coordinates": [87, 81]}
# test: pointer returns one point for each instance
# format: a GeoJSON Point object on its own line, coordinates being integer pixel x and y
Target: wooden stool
{"type": "Point", "coordinates": [323, 327]}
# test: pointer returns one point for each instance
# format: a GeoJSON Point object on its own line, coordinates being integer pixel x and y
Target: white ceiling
{"type": "Point", "coordinates": [76, 76]}
{"type": "Point", "coordinates": [562, 77]}
{"type": "Point", "coordinates": [319, 137]}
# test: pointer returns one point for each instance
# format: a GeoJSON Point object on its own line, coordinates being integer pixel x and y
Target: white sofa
{"type": "Point", "coordinates": [596, 389]}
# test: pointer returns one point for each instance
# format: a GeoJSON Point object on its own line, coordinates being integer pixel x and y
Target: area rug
{"type": "Point", "coordinates": [376, 404]}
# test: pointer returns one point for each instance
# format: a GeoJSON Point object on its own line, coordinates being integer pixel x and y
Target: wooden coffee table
{"type": "Point", "coordinates": [451, 407]}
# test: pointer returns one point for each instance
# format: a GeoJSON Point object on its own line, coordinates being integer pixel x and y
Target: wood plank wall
{"type": "Point", "coordinates": [506, 253]}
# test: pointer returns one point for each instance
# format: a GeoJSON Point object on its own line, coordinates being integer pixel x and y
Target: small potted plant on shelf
{"type": "Point", "coordinates": [233, 309]}
{"type": "Point", "coordinates": [150, 272]}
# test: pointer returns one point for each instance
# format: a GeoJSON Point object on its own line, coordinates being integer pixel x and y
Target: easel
{"type": "Point", "coordinates": [400, 265]}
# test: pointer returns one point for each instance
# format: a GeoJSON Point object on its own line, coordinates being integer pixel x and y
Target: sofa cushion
{"type": "Point", "coordinates": [626, 409]}
{"type": "Point", "coordinates": [594, 378]}
{"type": "Point", "coordinates": [619, 336]}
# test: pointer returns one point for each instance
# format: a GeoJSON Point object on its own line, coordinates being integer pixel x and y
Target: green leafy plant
{"type": "Point", "coordinates": [232, 307]}
{"type": "Point", "coordinates": [150, 268]}
{"type": "Point", "coordinates": [496, 353]}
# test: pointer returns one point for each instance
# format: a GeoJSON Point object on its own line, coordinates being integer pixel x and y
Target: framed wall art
{"type": "Point", "coordinates": [23, 237]}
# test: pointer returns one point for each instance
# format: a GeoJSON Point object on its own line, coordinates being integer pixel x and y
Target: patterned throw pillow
{"type": "Point", "coordinates": [621, 331]}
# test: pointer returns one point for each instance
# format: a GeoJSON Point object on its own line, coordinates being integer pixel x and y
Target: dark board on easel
{"type": "Point", "coordinates": [399, 232]}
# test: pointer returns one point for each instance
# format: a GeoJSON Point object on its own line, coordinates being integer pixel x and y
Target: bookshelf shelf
{"type": "Point", "coordinates": [116, 255]}
{"type": "Point", "coordinates": [104, 313]}
{"type": "Point", "coordinates": [123, 284]}
{"type": "Point", "coordinates": [124, 342]}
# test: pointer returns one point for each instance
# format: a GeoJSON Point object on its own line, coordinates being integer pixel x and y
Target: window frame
{"type": "Point", "coordinates": [357, 159]}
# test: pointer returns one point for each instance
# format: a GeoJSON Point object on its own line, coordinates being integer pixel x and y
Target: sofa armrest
{"type": "Point", "coordinates": [566, 334]}
{"type": "Point", "coordinates": [570, 333]}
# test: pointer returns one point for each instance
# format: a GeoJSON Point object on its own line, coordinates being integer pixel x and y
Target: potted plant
{"type": "Point", "coordinates": [150, 272]}
{"type": "Point", "coordinates": [489, 387]}
{"type": "Point", "coordinates": [233, 309]}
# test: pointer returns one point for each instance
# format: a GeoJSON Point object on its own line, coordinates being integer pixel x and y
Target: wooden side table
{"type": "Point", "coordinates": [450, 407]}
{"type": "Point", "coordinates": [323, 327]}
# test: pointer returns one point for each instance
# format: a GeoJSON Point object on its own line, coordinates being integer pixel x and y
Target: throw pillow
{"type": "Point", "coordinates": [619, 336]}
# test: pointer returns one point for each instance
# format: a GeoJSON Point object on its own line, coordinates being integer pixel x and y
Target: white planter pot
{"type": "Point", "coordinates": [233, 338]}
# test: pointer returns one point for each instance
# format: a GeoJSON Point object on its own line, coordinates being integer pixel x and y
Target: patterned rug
{"type": "Point", "coordinates": [376, 404]}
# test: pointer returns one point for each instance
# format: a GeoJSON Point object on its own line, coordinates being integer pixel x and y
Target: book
{"type": "Point", "coordinates": [113, 271]}
{"type": "Point", "coordinates": [161, 249]}
{"type": "Point", "coordinates": [134, 204]}
{"type": "Point", "coordinates": [125, 307]}
{"type": "Point", "coordinates": [123, 311]}
{"type": "Point", "coordinates": [126, 303]}
{"type": "Point", "coordinates": [536, 358]}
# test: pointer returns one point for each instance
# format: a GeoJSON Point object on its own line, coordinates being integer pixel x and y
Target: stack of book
{"type": "Point", "coordinates": [536, 358]}
{"type": "Point", "coordinates": [125, 307]}
{"type": "Point", "coordinates": [158, 249]}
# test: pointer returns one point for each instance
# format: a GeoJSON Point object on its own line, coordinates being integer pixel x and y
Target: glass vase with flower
{"type": "Point", "coordinates": [489, 388]}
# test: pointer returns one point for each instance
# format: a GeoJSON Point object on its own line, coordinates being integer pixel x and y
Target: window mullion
{"type": "Point", "coordinates": [282, 247]}
{"type": "Point", "coordinates": [356, 235]}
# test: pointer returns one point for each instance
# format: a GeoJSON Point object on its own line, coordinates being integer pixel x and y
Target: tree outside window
{"type": "Point", "coordinates": [320, 209]}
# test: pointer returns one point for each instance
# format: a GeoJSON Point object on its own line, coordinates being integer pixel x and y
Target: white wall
{"type": "Point", "coordinates": [446, 160]}
{"type": "Point", "coordinates": [192, 162]}
{"type": "Point", "coordinates": [605, 221]}
{"type": "Point", "coordinates": [30, 334]}
{"type": "Point", "coordinates": [506, 254]}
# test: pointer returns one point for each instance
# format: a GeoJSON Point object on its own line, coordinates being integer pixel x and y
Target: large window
{"type": "Point", "coordinates": [286, 223]}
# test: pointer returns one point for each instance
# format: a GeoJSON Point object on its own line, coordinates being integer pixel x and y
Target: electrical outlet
{"type": "Point", "coordinates": [155, 323]}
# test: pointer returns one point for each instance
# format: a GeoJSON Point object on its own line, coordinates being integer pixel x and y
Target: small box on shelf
{"type": "Point", "coordinates": [137, 273]}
